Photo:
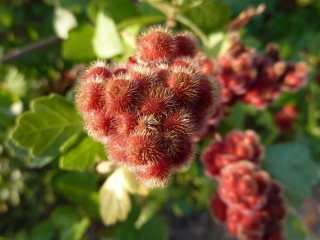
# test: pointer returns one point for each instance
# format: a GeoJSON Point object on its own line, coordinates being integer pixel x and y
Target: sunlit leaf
{"type": "Point", "coordinates": [132, 185]}
{"type": "Point", "coordinates": [103, 167]}
{"type": "Point", "coordinates": [106, 40]}
{"type": "Point", "coordinates": [115, 202]}
{"type": "Point", "coordinates": [218, 44]}
{"type": "Point", "coordinates": [15, 81]}
{"type": "Point", "coordinates": [63, 22]}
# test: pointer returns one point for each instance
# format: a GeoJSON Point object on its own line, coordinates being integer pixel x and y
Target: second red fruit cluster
{"type": "Point", "coordinates": [247, 200]}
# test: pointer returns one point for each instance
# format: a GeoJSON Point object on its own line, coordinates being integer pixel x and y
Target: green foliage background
{"type": "Point", "coordinates": [48, 184]}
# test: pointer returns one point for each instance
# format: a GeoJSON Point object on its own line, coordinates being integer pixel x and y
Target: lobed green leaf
{"type": "Point", "coordinates": [292, 165]}
{"type": "Point", "coordinates": [210, 16]}
{"type": "Point", "coordinates": [50, 123]}
{"type": "Point", "coordinates": [81, 153]}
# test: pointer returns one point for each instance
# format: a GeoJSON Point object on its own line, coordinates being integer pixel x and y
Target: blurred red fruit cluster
{"type": "Point", "coordinates": [247, 200]}
{"type": "Point", "coordinates": [252, 78]}
{"type": "Point", "coordinates": [257, 79]}
{"type": "Point", "coordinates": [147, 110]}
{"type": "Point", "coordinates": [285, 118]}
{"type": "Point", "coordinates": [236, 146]}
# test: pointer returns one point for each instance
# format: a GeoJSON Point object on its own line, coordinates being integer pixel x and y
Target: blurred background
{"type": "Point", "coordinates": [44, 46]}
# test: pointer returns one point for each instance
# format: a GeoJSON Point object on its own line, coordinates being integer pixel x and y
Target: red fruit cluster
{"type": "Point", "coordinates": [284, 119]}
{"type": "Point", "coordinates": [250, 77]}
{"type": "Point", "coordinates": [255, 207]}
{"type": "Point", "coordinates": [146, 110]}
{"type": "Point", "coordinates": [236, 146]}
{"type": "Point", "coordinates": [255, 78]}
{"type": "Point", "coordinates": [247, 200]}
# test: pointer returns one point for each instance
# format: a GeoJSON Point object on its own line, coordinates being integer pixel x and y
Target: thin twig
{"type": "Point", "coordinates": [30, 48]}
{"type": "Point", "coordinates": [193, 27]}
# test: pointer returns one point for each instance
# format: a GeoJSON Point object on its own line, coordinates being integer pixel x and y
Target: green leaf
{"type": "Point", "coordinates": [7, 101]}
{"type": "Point", "coordinates": [292, 165]}
{"type": "Point", "coordinates": [79, 188]}
{"type": "Point", "coordinates": [112, 8]}
{"type": "Point", "coordinates": [147, 211]}
{"type": "Point", "coordinates": [126, 228]}
{"type": "Point", "coordinates": [39, 162]}
{"type": "Point", "coordinates": [6, 17]}
{"type": "Point", "coordinates": [237, 116]}
{"type": "Point", "coordinates": [190, 24]}
{"type": "Point", "coordinates": [69, 220]}
{"type": "Point", "coordinates": [141, 20]}
{"type": "Point", "coordinates": [210, 15]}
{"type": "Point", "coordinates": [146, 9]}
{"type": "Point", "coordinates": [166, 8]}
{"type": "Point", "coordinates": [52, 2]}
{"type": "Point", "coordinates": [294, 229]}
{"type": "Point", "coordinates": [14, 150]}
{"type": "Point", "coordinates": [106, 41]}
{"type": "Point", "coordinates": [74, 5]}
{"type": "Point", "coordinates": [82, 153]}
{"type": "Point", "coordinates": [171, 9]}
{"type": "Point", "coordinates": [155, 229]}
{"type": "Point", "coordinates": [266, 118]}
{"type": "Point", "coordinates": [15, 82]}
{"type": "Point", "coordinates": [129, 39]}
{"type": "Point", "coordinates": [21, 235]}
{"type": "Point", "coordinates": [1, 51]}
{"type": "Point", "coordinates": [43, 231]}
{"type": "Point", "coordinates": [239, 6]}
{"type": "Point", "coordinates": [65, 215]}
{"type": "Point", "coordinates": [50, 123]}
{"type": "Point", "coordinates": [218, 43]}
{"type": "Point", "coordinates": [79, 47]}
{"type": "Point", "coordinates": [76, 230]}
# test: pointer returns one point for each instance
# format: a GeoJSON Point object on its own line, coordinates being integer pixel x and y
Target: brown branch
{"type": "Point", "coordinates": [17, 53]}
